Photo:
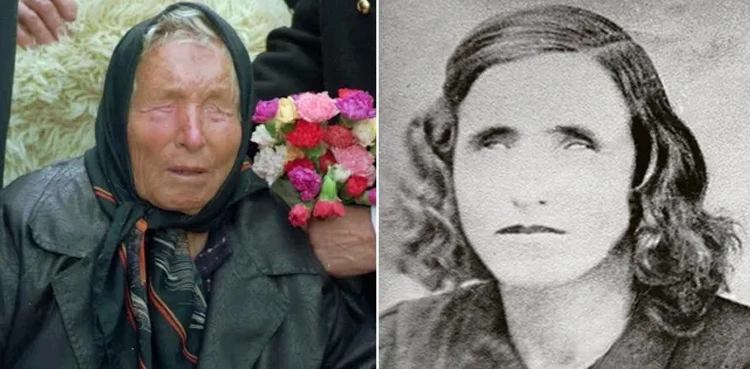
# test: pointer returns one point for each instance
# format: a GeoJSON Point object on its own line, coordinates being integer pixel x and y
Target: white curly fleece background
{"type": "Point", "coordinates": [701, 49]}
{"type": "Point", "coordinates": [57, 87]}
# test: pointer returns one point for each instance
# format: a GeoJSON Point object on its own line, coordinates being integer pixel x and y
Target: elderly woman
{"type": "Point", "coordinates": [558, 179]}
{"type": "Point", "coordinates": [158, 248]}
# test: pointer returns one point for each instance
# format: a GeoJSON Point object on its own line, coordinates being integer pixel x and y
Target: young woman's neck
{"type": "Point", "coordinates": [572, 325]}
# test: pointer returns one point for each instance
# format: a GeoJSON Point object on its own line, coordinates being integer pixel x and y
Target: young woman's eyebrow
{"type": "Point", "coordinates": [500, 133]}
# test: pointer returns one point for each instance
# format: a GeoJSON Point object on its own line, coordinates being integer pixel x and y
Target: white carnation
{"type": "Point", "coordinates": [339, 173]}
{"type": "Point", "coordinates": [262, 137]}
{"type": "Point", "coordinates": [269, 163]}
{"type": "Point", "coordinates": [365, 131]}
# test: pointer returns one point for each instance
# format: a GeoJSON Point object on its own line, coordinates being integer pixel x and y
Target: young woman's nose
{"type": "Point", "coordinates": [531, 182]}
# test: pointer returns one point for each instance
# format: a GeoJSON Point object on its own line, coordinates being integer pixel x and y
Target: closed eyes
{"type": "Point", "coordinates": [218, 113]}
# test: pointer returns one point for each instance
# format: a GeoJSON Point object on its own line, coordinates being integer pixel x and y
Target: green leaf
{"type": "Point", "coordinates": [346, 122]}
{"type": "Point", "coordinates": [316, 152]}
{"type": "Point", "coordinates": [344, 196]}
{"type": "Point", "coordinates": [286, 128]}
{"type": "Point", "coordinates": [271, 128]}
{"type": "Point", "coordinates": [284, 189]}
{"type": "Point", "coordinates": [328, 191]}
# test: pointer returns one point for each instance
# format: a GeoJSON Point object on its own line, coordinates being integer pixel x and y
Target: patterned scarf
{"type": "Point", "coordinates": [149, 311]}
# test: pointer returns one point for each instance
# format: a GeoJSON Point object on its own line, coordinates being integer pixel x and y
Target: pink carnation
{"type": "Point", "coordinates": [327, 209]}
{"type": "Point", "coordinates": [339, 136]}
{"type": "Point", "coordinates": [265, 110]}
{"type": "Point", "coordinates": [315, 108]}
{"type": "Point", "coordinates": [372, 196]}
{"type": "Point", "coordinates": [306, 181]}
{"type": "Point", "coordinates": [356, 105]}
{"type": "Point", "coordinates": [357, 160]}
{"type": "Point", "coordinates": [299, 215]}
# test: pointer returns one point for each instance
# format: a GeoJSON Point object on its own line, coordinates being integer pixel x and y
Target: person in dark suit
{"type": "Point", "coordinates": [560, 209]}
{"type": "Point", "coordinates": [329, 45]}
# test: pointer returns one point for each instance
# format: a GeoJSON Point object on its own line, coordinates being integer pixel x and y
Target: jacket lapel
{"type": "Point", "coordinates": [75, 308]}
{"type": "Point", "coordinates": [75, 240]}
{"type": "Point", "coordinates": [245, 310]}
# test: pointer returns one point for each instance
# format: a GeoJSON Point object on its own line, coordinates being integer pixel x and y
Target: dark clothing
{"type": "Point", "coordinates": [330, 45]}
{"type": "Point", "coordinates": [271, 305]}
{"type": "Point", "coordinates": [213, 255]}
{"type": "Point", "coordinates": [8, 21]}
{"type": "Point", "coordinates": [467, 329]}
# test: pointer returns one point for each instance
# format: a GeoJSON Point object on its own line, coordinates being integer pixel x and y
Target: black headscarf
{"type": "Point", "coordinates": [122, 255]}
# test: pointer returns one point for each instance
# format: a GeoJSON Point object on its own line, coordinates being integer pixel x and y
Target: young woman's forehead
{"type": "Point", "coordinates": [546, 91]}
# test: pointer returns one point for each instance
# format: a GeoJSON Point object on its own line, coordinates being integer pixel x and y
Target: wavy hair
{"type": "Point", "coordinates": [680, 252]}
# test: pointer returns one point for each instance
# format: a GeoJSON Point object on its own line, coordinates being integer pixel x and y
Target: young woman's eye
{"type": "Point", "coordinates": [578, 146]}
{"type": "Point", "coordinates": [494, 144]}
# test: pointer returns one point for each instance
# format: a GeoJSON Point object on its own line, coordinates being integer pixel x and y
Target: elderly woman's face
{"type": "Point", "coordinates": [183, 125]}
{"type": "Point", "coordinates": [543, 167]}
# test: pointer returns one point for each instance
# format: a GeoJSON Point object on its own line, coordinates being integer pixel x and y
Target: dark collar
{"type": "Point", "coordinates": [247, 305]}
{"type": "Point", "coordinates": [466, 328]}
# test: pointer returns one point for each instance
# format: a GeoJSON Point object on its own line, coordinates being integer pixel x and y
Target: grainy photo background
{"type": "Point", "coordinates": [701, 49]}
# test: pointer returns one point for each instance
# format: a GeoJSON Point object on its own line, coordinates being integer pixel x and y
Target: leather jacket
{"type": "Point", "coordinates": [272, 304]}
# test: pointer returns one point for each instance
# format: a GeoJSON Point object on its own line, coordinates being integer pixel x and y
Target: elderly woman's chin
{"type": "Point", "coordinates": [179, 202]}
{"type": "Point", "coordinates": [180, 192]}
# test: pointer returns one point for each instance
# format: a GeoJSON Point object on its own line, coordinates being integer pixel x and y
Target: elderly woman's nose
{"type": "Point", "coordinates": [190, 128]}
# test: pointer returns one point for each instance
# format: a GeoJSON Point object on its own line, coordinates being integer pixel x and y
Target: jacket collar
{"type": "Point", "coordinates": [246, 306]}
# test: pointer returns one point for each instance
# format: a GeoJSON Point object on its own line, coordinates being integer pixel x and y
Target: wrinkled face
{"type": "Point", "coordinates": [543, 166]}
{"type": "Point", "coordinates": [184, 130]}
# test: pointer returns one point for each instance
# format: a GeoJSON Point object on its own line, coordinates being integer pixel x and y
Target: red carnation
{"type": "Point", "coordinates": [344, 92]}
{"type": "Point", "coordinates": [305, 135]}
{"type": "Point", "coordinates": [302, 162]}
{"type": "Point", "coordinates": [338, 136]}
{"type": "Point", "coordinates": [326, 209]}
{"type": "Point", "coordinates": [326, 160]}
{"type": "Point", "coordinates": [356, 185]}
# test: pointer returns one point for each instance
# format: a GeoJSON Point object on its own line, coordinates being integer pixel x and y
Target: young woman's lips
{"type": "Point", "coordinates": [528, 230]}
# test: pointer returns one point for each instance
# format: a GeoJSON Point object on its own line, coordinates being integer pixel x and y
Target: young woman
{"type": "Point", "coordinates": [557, 178]}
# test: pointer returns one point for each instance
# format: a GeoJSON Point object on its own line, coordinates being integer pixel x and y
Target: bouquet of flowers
{"type": "Point", "coordinates": [314, 166]}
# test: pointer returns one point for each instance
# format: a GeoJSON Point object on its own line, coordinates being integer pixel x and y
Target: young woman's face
{"type": "Point", "coordinates": [543, 167]}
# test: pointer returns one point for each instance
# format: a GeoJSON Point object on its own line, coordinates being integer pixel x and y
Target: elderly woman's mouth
{"type": "Point", "coordinates": [185, 171]}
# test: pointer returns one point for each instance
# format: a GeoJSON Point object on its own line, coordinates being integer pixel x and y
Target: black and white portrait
{"type": "Point", "coordinates": [565, 186]}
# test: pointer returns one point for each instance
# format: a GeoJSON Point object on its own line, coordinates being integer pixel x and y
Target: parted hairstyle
{"type": "Point", "coordinates": [679, 251]}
